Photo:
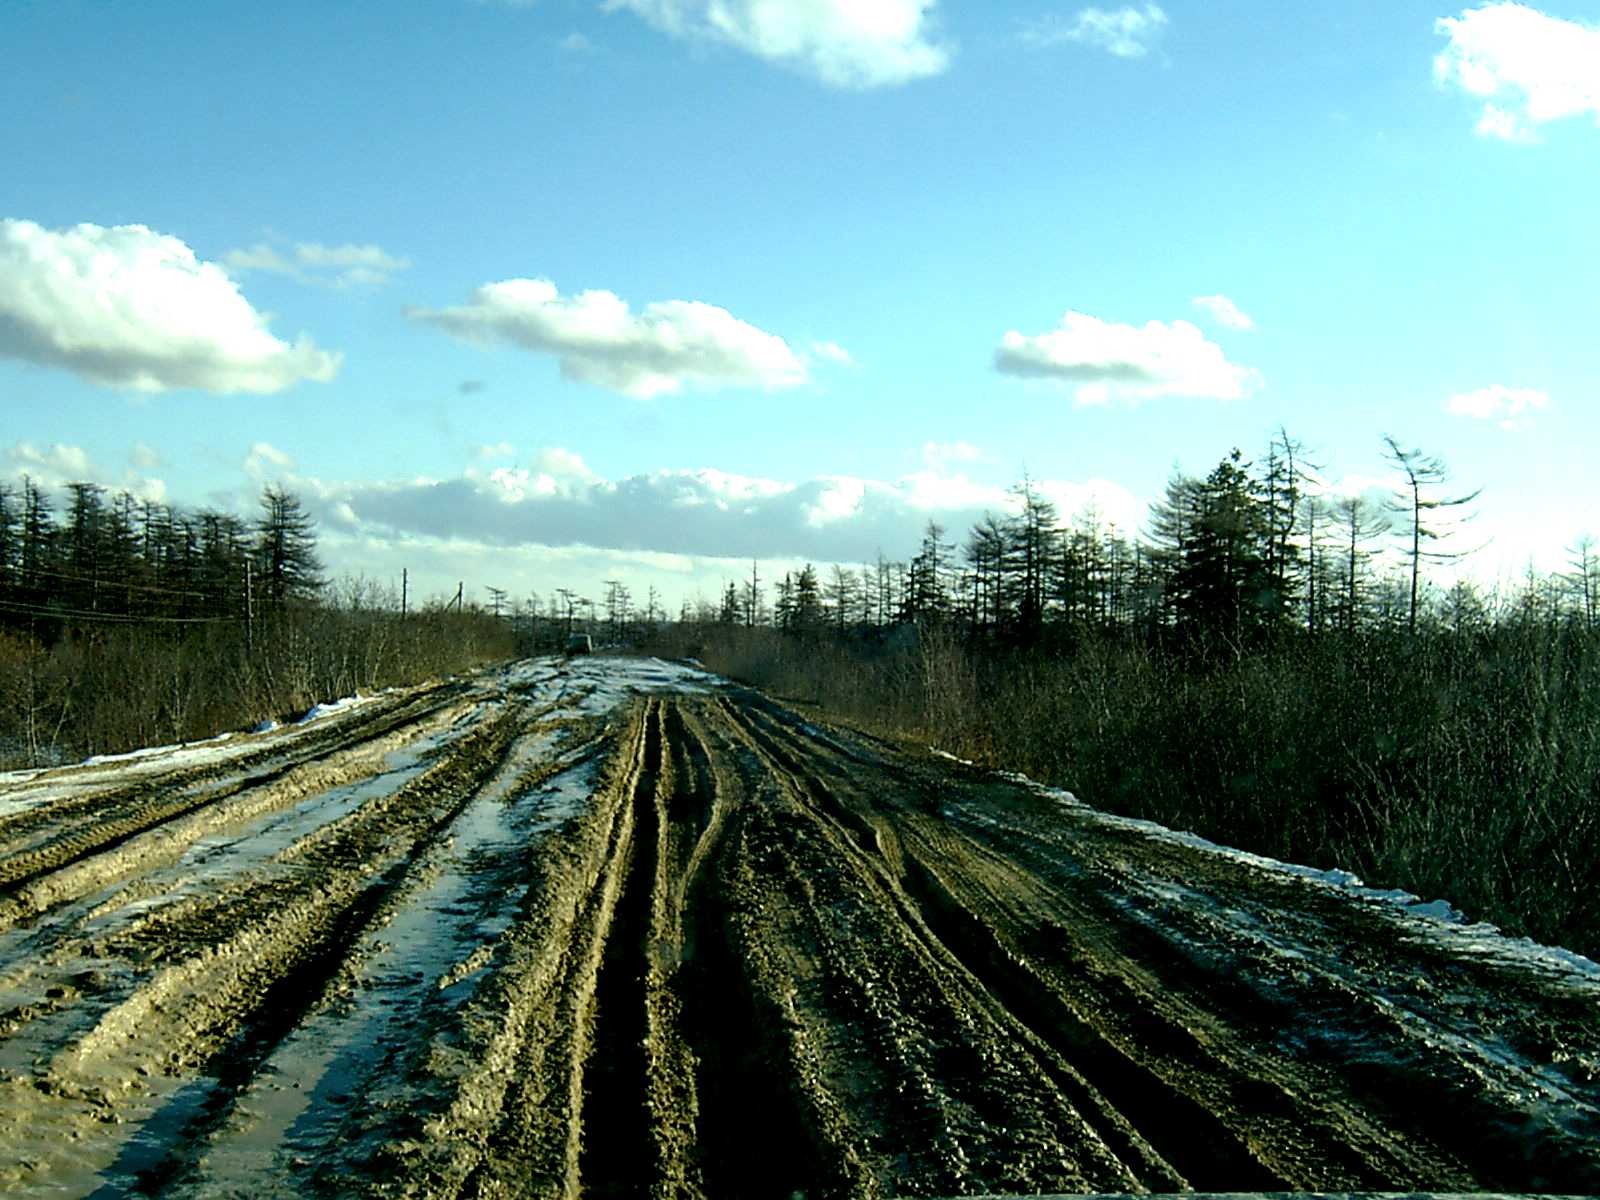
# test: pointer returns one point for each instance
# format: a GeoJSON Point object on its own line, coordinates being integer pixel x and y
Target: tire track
{"type": "Point", "coordinates": [98, 825]}
{"type": "Point", "coordinates": [1082, 1127]}
{"type": "Point", "coordinates": [235, 969]}
{"type": "Point", "coordinates": [593, 926]}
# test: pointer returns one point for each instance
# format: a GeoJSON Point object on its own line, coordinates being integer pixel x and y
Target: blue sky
{"type": "Point", "coordinates": [539, 294]}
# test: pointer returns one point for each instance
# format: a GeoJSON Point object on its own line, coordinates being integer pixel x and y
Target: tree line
{"type": "Point", "coordinates": [104, 557]}
{"type": "Point", "coordinates": [1246, 552]}
{"type": "Point", "coordinates": [125, 622]}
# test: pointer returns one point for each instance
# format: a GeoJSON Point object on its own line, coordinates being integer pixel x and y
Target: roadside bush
{"type": "Point", "coordinates": [1462, 764]}
{"type": "Point", "coordinates": [120, 687]}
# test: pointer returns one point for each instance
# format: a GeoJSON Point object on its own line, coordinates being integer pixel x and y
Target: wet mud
{"type": "Point", "coordinates": [612, 927]}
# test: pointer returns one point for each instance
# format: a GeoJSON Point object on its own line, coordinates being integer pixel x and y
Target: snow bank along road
{"type": "Point", "coordinates": [614, 927]}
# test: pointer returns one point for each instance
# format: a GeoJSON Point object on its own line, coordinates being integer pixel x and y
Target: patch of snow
{"type": "Point", "coordinates": [95, 760]}
{"type": "Point", "coordinates": [327, 709]}
{"type": "Point", "coordinates": [1436, 919]}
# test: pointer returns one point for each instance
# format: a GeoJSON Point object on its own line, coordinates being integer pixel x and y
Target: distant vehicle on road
{"type": "Point", "coordinates": [579, 643]}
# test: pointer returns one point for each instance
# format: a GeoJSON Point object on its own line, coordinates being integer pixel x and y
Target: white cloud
{"type": "Point", "coordinates": [1225, 311]}
{"type": "Point", "coordinates": [832, 352]}
{"type": "Point", "coordinates": [1114, 504]}
{"type": "Point", "coordinates": [576, 43]}
{"type": "Point", "coordinates": [1510, 408]}
{"type": "Point", "coordinates": [671, 344]}
{"type": "Point", "coordinates": [266, 459]}
{"type": "Point", "coordinates": [1126, 32]}
{"type": "Point", "coordinates": [704, 513]}
{"type": "Point", "coordinates": [344, 266]}
{"type": "Point", "coordinates": [144, 457]}
{"type": "Point", "coordinates": [1540, 68]}
{"type": "Point", "coordinates": [497, 450]}
{"type": "Point", "coordinates": [555, 472]}
{"type": "Point", "coordinates": [843, 43]}
{"type": "Point", "coordinates": [1496, 122]}
{"type": "Point", "coordinates": [1106, 361]}
{"type": "Point", "coordinates": [128, 307]}
{"type": "Point", "coordinates": [840, 500]}
{"type": "Point", "coordinates": [58, 464]}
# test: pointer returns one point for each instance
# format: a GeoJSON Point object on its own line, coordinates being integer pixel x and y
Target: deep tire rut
{"type": "Point", "coordinates": [612, 927]}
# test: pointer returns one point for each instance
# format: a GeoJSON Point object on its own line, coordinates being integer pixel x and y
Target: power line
{"type": "Point", "coordinates": [112, 618]}
{"type": "Point", "coordinates": [101, 581]}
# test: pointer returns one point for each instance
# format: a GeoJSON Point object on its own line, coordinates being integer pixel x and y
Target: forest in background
{"type": "Point", "coordinates": [128, 623]}
{"type": "Point", "coordinates": [1269, 667]}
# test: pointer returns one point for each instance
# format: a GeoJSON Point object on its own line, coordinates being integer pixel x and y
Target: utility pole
{"type": "Point", "coordinates": [403, 582]}
{"type": "Point", "coordinates": [460, 587]}
{"type": "Point", "coordinates": [249, 610]}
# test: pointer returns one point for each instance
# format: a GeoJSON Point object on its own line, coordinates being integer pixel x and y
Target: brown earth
{"type": "Point", "coordinates": [612, 929]}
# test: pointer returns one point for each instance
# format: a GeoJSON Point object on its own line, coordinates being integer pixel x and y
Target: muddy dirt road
{"type": "Point", "coordinates": [613, 928]}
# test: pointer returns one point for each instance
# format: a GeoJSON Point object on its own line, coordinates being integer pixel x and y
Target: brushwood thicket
{"type": "Point", "coordinates": [1271, 669]}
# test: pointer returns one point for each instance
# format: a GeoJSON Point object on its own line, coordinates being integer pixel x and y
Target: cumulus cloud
{"type": "Point", "coordinates": [343, 266]}
{"type": "Point", "coordinates": [1225, 312]}
{"type": "Point", "coordinates": [1106, 361]}
{"type": "Point", "coordinates": [128, 307]}
{"type": "Point", "coordinates": [1510, 408]}
{"type": "Point", "coordinates": [555, 472]}
{"type": "Point", "coordinates": [1126, 32]}
{"type": "Point", "coordinates": [58, 464]}
{"type": "Point", "coordinates": [597, 339]}
{"type": "Point", "coordinates": [1528, 67]}
{"type": "Point", "coordinates": [843, 43]}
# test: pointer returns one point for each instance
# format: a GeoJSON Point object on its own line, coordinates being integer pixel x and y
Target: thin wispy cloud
{"type": "Point", "coordinates": [598, 339]}
{"type": "Point", "coordinates": [1225, 312]}
{"type": "Point", "coordinates": [1128, 32]}
{"type": "Point", "coordinates": [128, 307]}
{"type": "Point", "coordinates": [343, 266]}
{"type": "Point", "coordinates": [1528, 67]}
{"type": "Point", "coordinates": [832, 352]}
{"type": "Point", "coordinates": [940, 455]}
{"type": "Point", "coordinates": [265, 459]}
{"type": "Point", "coordinates": [1103, 361]}
{"type": "Point", "coordinates": [841, 43]}
{"type": "Point", "coordinates": [1510, 408]}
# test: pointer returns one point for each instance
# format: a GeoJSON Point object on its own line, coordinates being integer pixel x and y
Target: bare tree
{"type": "Point", "coordinates": [1424, 512]}
{"type": "Point", "coordinates": [1583, 579]}
{"type": "Point", "coordinates": [752, 596]}
{"type": "Point", "coordinates": [1359, 524]}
